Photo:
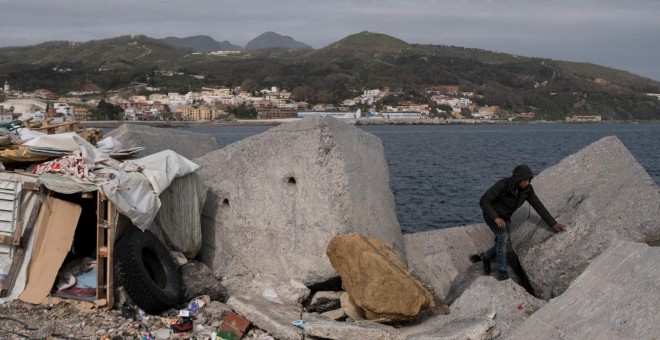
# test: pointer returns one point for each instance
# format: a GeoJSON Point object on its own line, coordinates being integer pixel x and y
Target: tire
{"type": "Point", "coordinates": [145, 269]}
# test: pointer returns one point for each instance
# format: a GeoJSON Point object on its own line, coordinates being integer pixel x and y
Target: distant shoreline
{"type": "Point", "coordinates": [274, 122]}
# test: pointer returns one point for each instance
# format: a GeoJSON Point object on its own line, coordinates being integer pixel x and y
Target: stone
{"type": "Point", "coordinates": [275, 318]}
{"type": "Point", "coordinates": [452, 327]}
{"type": "Point", "coordinates": [506, 299]}
{"type": "Point", "coordinates": [198, 280]}
{"type": "Point", "coordinates": [439, 257]}
{"type": "Point", "coordinates": [349, 307]}
{"type": "Point", "coordinates": [336, 314]}
{"type": "Point", "coordinates": [324, 301]}
{"type": "Point", "coordinates": [269, 286]}
{"type": "Point", "coordinates": [376, 279]}
{"type": "Point", "coordinates": [216, 310]}
{"type": "Point", "coordinates": [187, 144]}
{"type": "Point", "coordinates": [329, 329]}
{"type": "Point", "coordinates": [276, 199]}
{"type": "Point", "coordinates": [603, 195]}
{"type": "Point", "coordinates": [616, 297]}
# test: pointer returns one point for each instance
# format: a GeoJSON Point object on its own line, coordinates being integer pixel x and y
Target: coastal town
{"type": "Point", "coordinates": [225, 104]}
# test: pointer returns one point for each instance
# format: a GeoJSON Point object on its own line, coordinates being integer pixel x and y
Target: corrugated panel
{"type": "Point", "coordinates": [9, 191]}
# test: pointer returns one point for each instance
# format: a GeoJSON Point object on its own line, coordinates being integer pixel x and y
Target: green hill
{"type": "Point", "coordinates": [551, 88]}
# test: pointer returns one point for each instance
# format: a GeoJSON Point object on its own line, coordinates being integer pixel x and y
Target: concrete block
{"type": "Point", "coordinates": [277, 198]}
{"type": "Point", "coordinates": [616, 297]}
{"type": "Point", "coordinates": [187, 144]}
{"type": "Point", "coordinates": [604, 195]}
{"type": "Point", "coordinates": [508, 301]}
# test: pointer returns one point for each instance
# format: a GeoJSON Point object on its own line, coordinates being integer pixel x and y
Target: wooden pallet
{"type": "Point", "coordinates": [105, 227]}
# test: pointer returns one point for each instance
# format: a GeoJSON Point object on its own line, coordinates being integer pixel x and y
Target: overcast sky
{"type": "Point", "coordinates": [624, 34]}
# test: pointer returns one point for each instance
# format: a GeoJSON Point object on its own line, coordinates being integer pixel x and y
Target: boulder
{"type": "Point", "coordinates": [275, 318]}
{"type": "Point", "coordinates": [277, 198]}
{"type": "Point", "coordinates": [187, 144]}
{"type": "Point", "coordinates": [604, 195]}
{"type": "Point", "coordinates": [439, 257]}
{"type": "Point", "coordinates": [376, 279]}
{"type": "Point", "coordinates": [507, 300]}
{"type": "Point", "coordinates": [616, 297]}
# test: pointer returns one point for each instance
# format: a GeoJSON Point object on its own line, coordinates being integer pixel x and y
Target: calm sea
{"type": "Point", "coordinates": [439, 172]}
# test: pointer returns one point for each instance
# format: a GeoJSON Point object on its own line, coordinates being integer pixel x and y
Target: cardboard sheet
{"type": "Point", "coordinates": [53, 236]}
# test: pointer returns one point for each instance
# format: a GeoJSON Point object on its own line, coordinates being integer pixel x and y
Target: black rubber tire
{"type": "Point", "coordinates": [146, 270]}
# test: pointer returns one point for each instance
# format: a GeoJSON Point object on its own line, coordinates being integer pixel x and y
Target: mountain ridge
{"type": "Point", "coordinates": [341, 70]}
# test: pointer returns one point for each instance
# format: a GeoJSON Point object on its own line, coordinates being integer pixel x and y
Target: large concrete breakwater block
{"type": "Point", "coordinates": [604, 195]}
{"type": "Point", "coordinates": [439, 257]}
{"type": "Point", "coordinates": [616, 297]}
{"type": "Point", "coordinates": [277, 198]}
{"type": "Point", "coordinates": [185, 143]}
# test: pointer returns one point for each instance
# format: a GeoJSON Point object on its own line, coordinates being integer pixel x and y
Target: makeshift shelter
{"type": "Point", "coordinates": [83, 203]}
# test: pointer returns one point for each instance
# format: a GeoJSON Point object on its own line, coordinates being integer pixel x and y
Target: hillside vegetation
{"type": "Point", "coordinates": [552, 89]}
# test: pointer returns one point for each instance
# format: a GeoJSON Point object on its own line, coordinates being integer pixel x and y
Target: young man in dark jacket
{"type": "Point", "coordinates": [499, 203]}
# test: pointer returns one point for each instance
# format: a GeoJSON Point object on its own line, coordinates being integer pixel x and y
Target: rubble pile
{"type": "Point", "coordinates": [299, 240]}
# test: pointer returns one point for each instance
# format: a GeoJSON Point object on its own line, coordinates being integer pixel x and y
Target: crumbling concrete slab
{"type": "Point", "coordinates": [604, 195]}
{"type": "Point", "coordinates": [510, 302]}
{"type": "Point", "coordinates": [187, 144]}
{"type": "Point", "coordinates": [269, 286]}
{"type": "Point", "coordinates": [438, 257]}
{"type": "Point", "coordinates": [616, 297]}
{"type": "Point", "coordinates": [277, 198]}
{"type": "Point", "coordinates": [317, 326]}
{"type": "Point", "coordinates": [451, 327]}
{"type": "Point", "coordinates": [273, 317]}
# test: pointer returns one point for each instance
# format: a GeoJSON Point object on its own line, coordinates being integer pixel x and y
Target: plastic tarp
{"type": "Point", "coordinates": [62, 141]}
{"type": "Point", "coordinates": [133, 187]}
{"type": "Point", "coordinates": [178, 222]}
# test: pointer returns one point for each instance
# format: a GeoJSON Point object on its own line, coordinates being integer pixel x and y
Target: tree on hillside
{"type": "Point", "coordinates": [107, 111]}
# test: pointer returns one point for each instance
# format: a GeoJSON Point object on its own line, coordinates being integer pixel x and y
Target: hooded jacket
{"type": "Point", "coordinates": [505, 197]}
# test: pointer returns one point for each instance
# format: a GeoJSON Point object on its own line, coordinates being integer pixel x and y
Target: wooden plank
{"type": "Point", "coordinates": [103, 251]}
{"type": "Point", "coordinates": [100, 242]}
{"type": "Point", "coordinates": [7, 239]}
{"type": "Point", "coordinates": [112, 214]}
{"type": "Point", "coordinates": [18, 231]}
{"type": "Point", "coordinates": [31, 186]}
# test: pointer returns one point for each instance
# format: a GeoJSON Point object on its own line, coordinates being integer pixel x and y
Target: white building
{"type": "Point", "coordinates": [336, 114]}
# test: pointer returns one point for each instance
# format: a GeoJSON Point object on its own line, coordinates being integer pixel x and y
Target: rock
{"type": "Point", "coordinates": [452, 327]}
{"type": "Point", "coordinates": [269, 286]}
{"type": "Point", "coordinates": [616, 297]}
{"type": "Point", "coordinates": [376, 279]}
{"type": "Point", "coordinates": [439, 257]}
{"type": "Point", "coordinates": [329, 329]}
{"type": "Point", "coordinates": [187, 144]}
{"type": "Point", "coordinates": [198, 280]}
{"type": "Point", "coordinates": [324, 301]}
{"type": "Point", "coordinates": [275, 318]}
{"type": "Point", "coordinates": [216, 310]}
{"type": "Point", "coordinates": [336, 314]}
{"type": "Point", "coordinates": [604, 195]}
{"type": "Point", "coordinates": [277, 198]}
{"type": "Point", "coordinates": [506, 299]}
{"type": "Point", "coordinates": [349, 307]}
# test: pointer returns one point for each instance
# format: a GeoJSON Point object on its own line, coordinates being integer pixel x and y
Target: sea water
{"type": "Point", "coordinates": [439, 172]}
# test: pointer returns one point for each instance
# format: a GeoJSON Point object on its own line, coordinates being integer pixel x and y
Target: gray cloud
{"type": "Point", "coordinates": [619, 34]}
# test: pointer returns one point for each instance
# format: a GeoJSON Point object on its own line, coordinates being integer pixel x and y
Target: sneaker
{"type": "Point", "coordinates": [485, 263]}
{"type": "Point", "coordinates": [501, 276]}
